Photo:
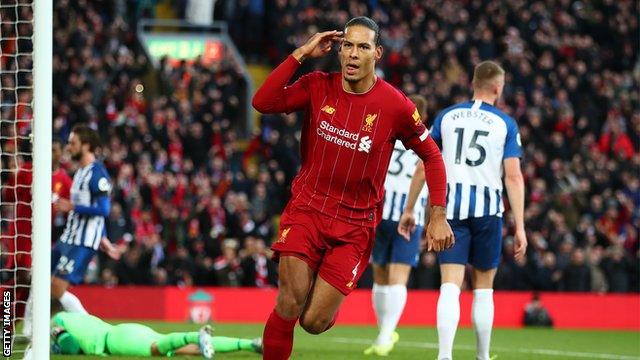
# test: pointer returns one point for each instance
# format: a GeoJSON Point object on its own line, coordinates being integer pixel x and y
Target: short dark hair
{"type": "Point", "coordinates": [486, 72]}
{"type": "Point", "coordinates": [368, 23]}
{"type": "Point", "coordinates": [87, 136]}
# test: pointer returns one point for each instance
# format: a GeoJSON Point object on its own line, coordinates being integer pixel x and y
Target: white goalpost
{"type": "Point", "coordinates": [41, 191]}
{"type": "Point", "coordinates": [26, 35]}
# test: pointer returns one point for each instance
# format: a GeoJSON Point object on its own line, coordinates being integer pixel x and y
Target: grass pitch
{"type": "Point", "coordinates": [348, 342]}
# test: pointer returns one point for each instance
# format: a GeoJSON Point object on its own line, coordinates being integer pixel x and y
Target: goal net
{"type": "Point", "coordinates": [25, 173]}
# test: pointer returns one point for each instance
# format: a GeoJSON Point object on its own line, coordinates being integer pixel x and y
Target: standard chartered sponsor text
{"type": "Point", "coordinates": [340, 137]}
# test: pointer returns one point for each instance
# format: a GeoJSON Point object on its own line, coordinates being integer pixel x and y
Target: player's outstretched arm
{"type": "Point", "coordinates": [274, 96]}
{"type": "Point", "coordinates": [414, 136]}
{"type": "Point", "coordinates": [439, 233]}
{"type": "Point", "coordinates": [407, 223]}
{"type": "Point", "coordinates": [515, 189]}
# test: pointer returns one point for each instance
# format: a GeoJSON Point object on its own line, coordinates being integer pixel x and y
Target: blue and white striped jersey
{"type": "Point", "coordinates": [475, 138]}
{"type": "Point", "coordinates": [90, 192]}
{"type": "Point", "coordinates": [396, 185]}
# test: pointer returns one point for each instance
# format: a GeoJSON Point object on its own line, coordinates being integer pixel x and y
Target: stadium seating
{"type": "Point", "coordinates": [197, 205]}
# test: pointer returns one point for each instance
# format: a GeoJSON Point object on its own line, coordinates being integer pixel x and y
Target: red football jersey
{"type": "Point", "coordinates": [61, 188]}
{"type": "Point", "coordinates": [18, 191]}
{"type": "Point", "coordinates": [347, 140]}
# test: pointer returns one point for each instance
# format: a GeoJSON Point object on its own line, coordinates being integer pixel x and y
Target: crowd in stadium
{"type": "Point", "coordinates": [194, 206]}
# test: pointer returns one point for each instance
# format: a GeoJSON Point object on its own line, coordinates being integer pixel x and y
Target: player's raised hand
{"type": "Point", "coordinates": [318, 45]}
{"type": "Point", "coordinates": [439, 234]}
{"type": "Point", "coordinates": [520, 249]}
{"type": "Point", "coordinates": [407, 225]}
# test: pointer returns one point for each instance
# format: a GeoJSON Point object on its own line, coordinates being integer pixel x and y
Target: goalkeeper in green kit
{"type": "Point", "coordinates": [75, 333]}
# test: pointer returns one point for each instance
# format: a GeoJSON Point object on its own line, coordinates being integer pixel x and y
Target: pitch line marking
{"type": "Point", "coordinates": [427, 345]}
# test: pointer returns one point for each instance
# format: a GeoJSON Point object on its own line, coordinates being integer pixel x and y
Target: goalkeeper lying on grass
{"type": "Point", "coordinates": [75, 333]}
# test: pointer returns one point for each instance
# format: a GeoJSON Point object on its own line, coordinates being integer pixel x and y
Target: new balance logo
{"type": "Point", "coordinates": [328, 109]}
{"type": "Point", "coordinates": [365, 144]}
{"type": "Point", "coordinates": [416, 117]}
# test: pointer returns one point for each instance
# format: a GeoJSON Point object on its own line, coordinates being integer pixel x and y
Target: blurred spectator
{"type": "Point", "coordinates": [258, 269]}
{"type": "Point", "coordinates": [118, 226]}
{"type": "Point", "coordinates": [614, 141]}
{"type": "Point", "coordinates": [514, 274]}
{"type": "Point", "coordinates": [135, 267]}
{"type": "Point", "coordinates": [577, 275]}
{"type": "Point", "coordinates": [427, 274]}
{"type": "Point", "coordinates": [227, 266]}
{"type": "Point", "coordinates": [205, 273]}
{"type": "Point", "coordinates": [108, 278]}
{"type": "Point", "coordinates": [523, 274]}
{"type": "Point", "coordinates": [617, 268]}
{"type": "Point", "coordinates": [598, 277]}
{"type": "Point", "coordinates": [548, 276]}
{"type": "Point", "coordinates": [177, 269]}
{"type": "Point", "coordinates": [565, 252]}
{"type": "Point", "coordinates": [535, 314]}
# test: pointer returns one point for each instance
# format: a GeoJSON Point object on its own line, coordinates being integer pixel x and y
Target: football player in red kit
{"type": "Point", "coordinates": [61, 188]}
{"type": "Point", "coordinates": [327, 229]}
{"type": "Point", "coordinates": [18, 239]}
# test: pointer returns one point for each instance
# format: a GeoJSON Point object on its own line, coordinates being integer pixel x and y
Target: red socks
{"type": "Point", "coordinates": [277, 339]}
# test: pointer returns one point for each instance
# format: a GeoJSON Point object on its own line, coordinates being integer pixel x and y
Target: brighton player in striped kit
{"type": "Point", "coordinates": [87, 210]}
{"type": "Point", "coordinates": [393, 255]}
{"type": "Point", "coordinates": [479, 143]}
{"type": "Point", "coordinates": [353, 119]}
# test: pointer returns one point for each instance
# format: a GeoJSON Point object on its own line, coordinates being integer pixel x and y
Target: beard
{"type": "Point", "coordinates": [352, 79]}
{"type": "Point", "coordinates": [77, 156]}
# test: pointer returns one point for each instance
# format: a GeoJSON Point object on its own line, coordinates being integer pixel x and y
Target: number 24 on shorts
{"type": "Point", "coordinates": [65, 265]}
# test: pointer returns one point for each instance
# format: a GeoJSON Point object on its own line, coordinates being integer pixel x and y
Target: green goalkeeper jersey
{"type": "Point", "coordinates": [82, 333]}
{"type": "Point", "coordinates": [88, 330]}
